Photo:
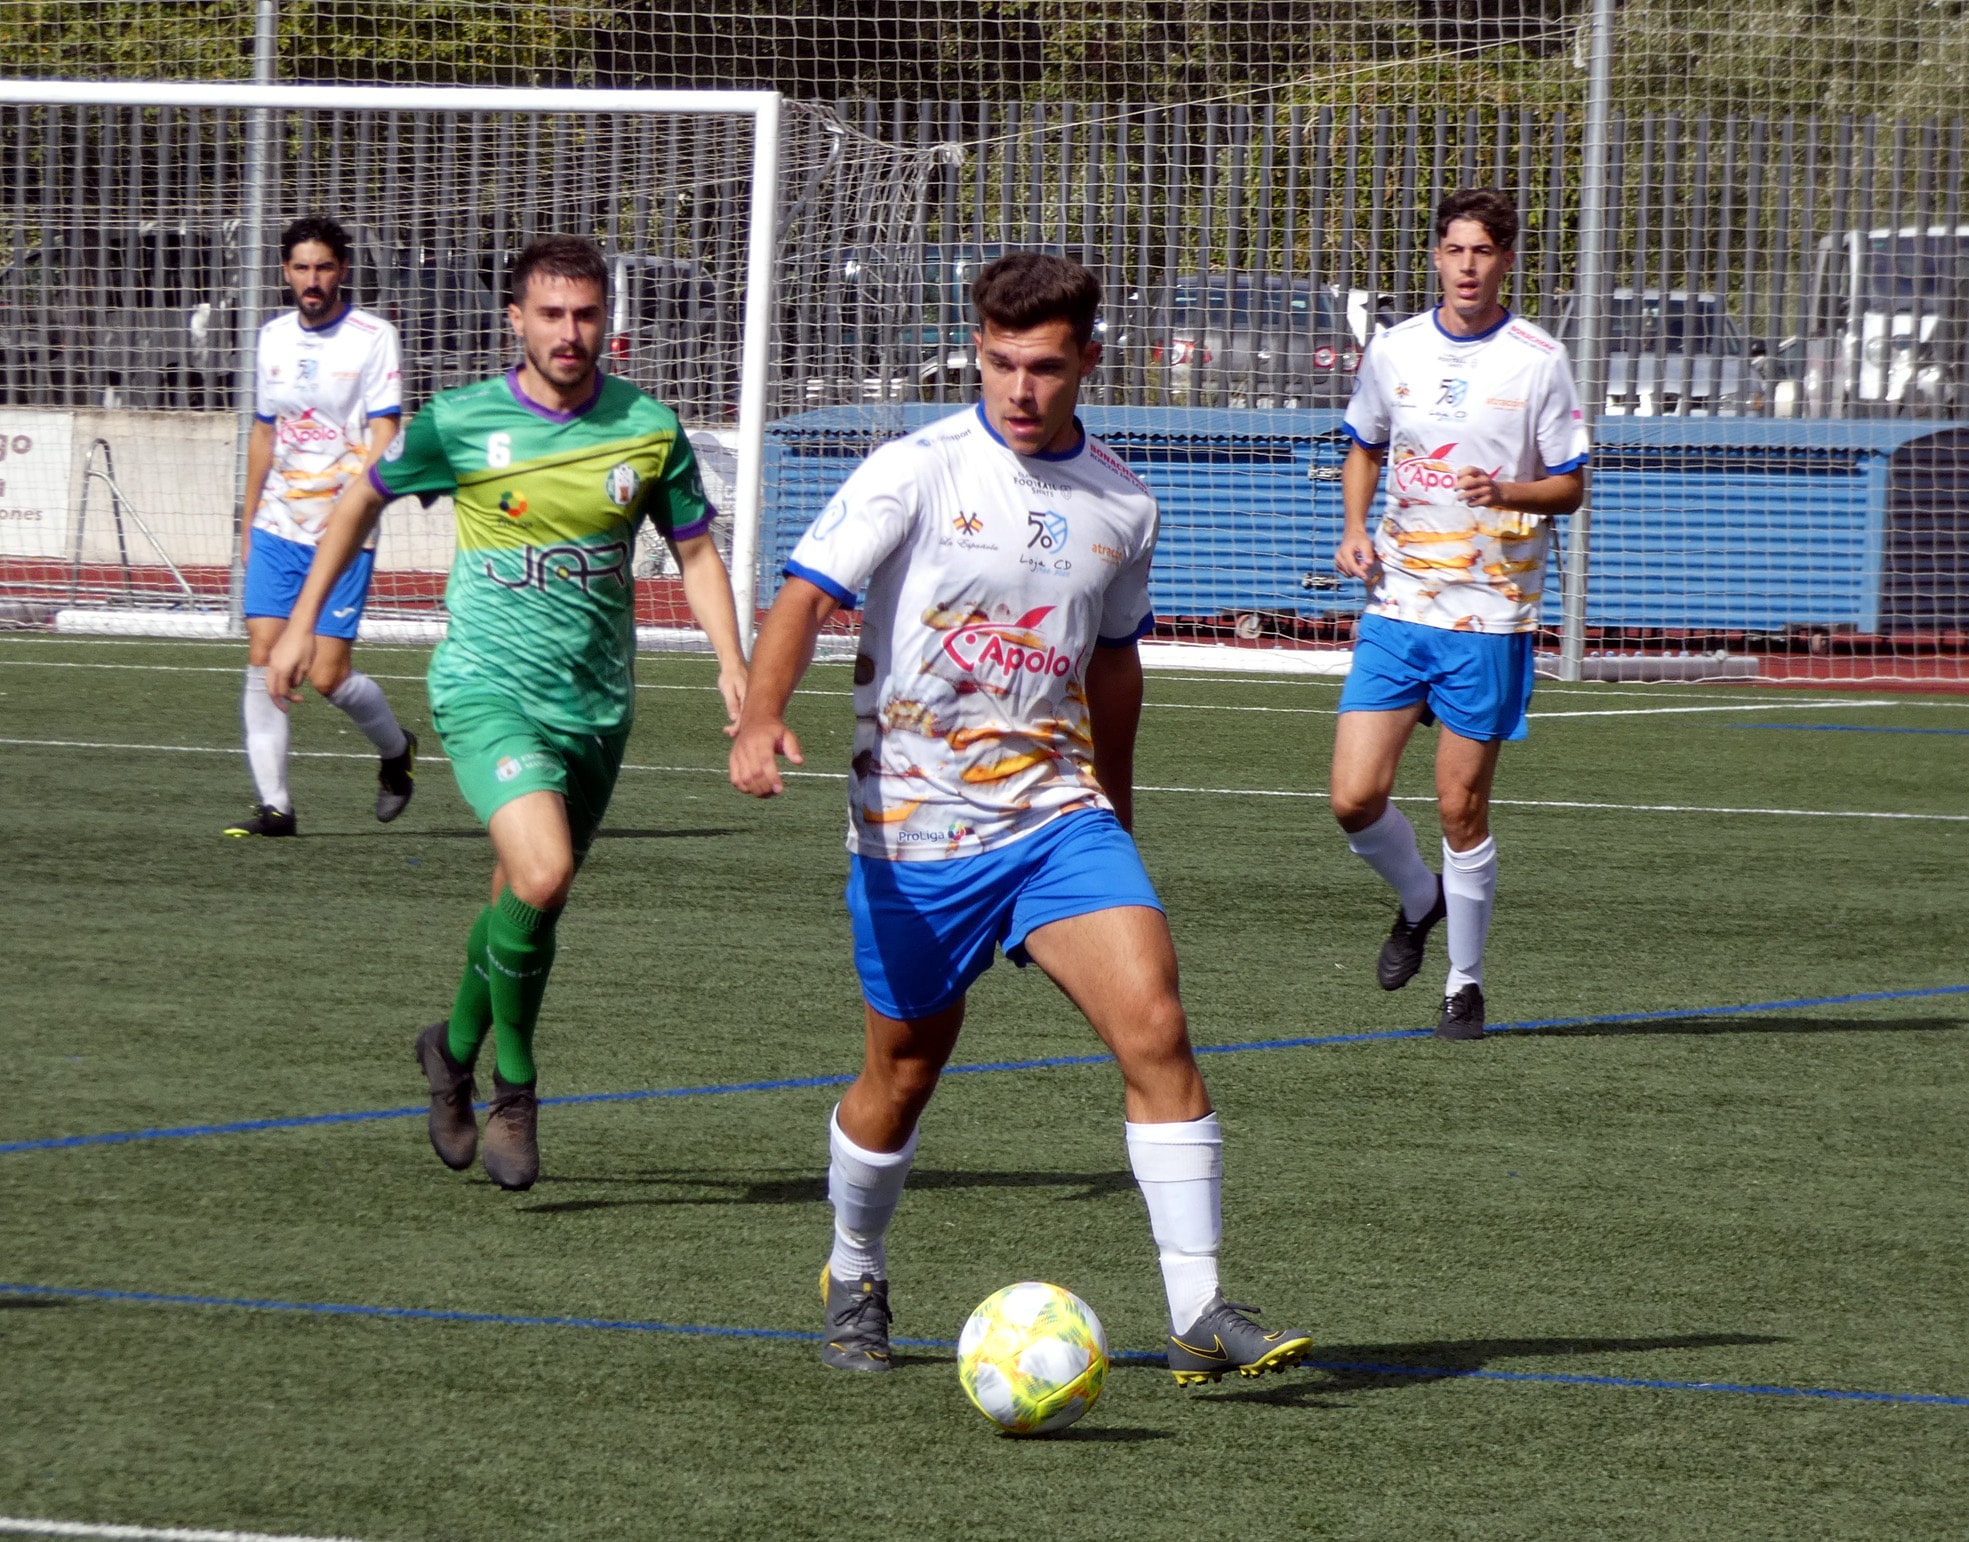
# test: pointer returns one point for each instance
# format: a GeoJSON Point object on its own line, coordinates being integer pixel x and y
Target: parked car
{"type": "Point", "coordinates": [1670, 354]}
{"type": "Point", "coordinates": [896, 326]}
{"type": "Point", "coordinates": [1889, 324]}
{"type": "Point", "coordinates": [141, 316]}
{"type": "Point", "coordinates": [1254, 340]}
{"type": "Point", "coordinates": [674, 333]}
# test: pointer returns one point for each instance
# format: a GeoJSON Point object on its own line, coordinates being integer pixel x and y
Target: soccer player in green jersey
{"type": "Point", "coordinates": [551, 468]}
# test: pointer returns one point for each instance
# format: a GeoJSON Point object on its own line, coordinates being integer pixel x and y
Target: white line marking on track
{"type": "Point", "coordinates": [1206, 792]}
{"type": "Point", "coordinates": [20, 1526]}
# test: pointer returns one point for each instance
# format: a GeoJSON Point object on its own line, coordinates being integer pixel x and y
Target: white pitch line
{"type": "Point", "coordinates": [19, 1526]}
{"type": "Point", "coordinates": [1207, 792]}
{"type": "Point", "coordinates": [228, 669]}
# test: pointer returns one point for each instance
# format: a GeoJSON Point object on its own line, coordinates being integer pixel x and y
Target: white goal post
{"type": "Point", "coordinates": [261, 105]}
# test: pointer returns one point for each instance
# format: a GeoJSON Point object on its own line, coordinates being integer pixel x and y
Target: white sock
{"type": "Point", "coordinates": [1181, 1170]}
{"type": "Point", "coordinates": [1469, 886]}
{"type": "Point", "coordinates": [266, 740]}
{"type": "Point", "coordinates": [864, 1187]}
{"type": "Point", "coordinates": [362, 698]}
{"type": "Point", "coordinates": [1388, 846]}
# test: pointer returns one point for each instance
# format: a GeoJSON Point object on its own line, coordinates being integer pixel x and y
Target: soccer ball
{"type": "Point", "coordinates": [1032, 1358]}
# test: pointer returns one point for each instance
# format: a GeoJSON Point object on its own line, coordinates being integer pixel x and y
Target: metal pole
{"type": "Point", "coordinates": [259, 133]}
{"type": "Point", "coordinates": [762, 249]}
{"type": "Point", "coordinates": [1590, 361]}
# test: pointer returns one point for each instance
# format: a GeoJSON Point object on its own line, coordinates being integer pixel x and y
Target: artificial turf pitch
{"type": "Point", "coordinates": [1772, 1199]}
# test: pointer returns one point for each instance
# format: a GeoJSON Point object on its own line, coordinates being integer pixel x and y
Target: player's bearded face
{"type": "Point", "coordinates": [1030, 381]}
{"type": "Point", "coordinates": [559, 325]}
{"type": "Point", "coordinates": [315, 275]}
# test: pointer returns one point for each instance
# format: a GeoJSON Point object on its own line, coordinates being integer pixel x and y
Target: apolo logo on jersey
{"type": "Point", "coordinates": [622, 484]}
{"type": "Point", "coordinates": [308, 431]}
{"type": "Point", "coordinates": [1006, 648]}
{"type": "Point", "coordinates": [1426, 475]}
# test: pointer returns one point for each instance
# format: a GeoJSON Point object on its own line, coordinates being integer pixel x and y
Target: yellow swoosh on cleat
{"type": "Point", "coordinates": [1216, 1352]}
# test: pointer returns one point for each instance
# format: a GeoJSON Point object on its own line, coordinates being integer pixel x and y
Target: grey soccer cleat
{"type": "Point", "coordinates": [1463, 1014]}
{"type": "Point", "coordinates": [396, 780]}
{"type": "Point", "coordinates": [264, 820]}
{"type": "Point", "coordinates": [454, 1127]}
{"type": "Point", "coordinates": [1223, 1339]}
{"type": "Point", "coordinates": [858, 1319]}
{"type": "Point", "coordinates": [511, 1153]}
{"type": "Point", "coordinates": [1401, 954]}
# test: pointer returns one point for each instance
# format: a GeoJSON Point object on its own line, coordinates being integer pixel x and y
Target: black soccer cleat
{"type": "Point", "coordinates": [264, 820]}
{"type": "Point", "coordinates": [1223, 1339]}
{"type": "Point", "coordinates": [857, 1328]}
{"type": "Point", "coordinates": [1401, 954]}
{"type": "Point", "coordinates": [454, 1127]}
{"type": "Point", "coordinates": [1463, 1014]}
{"type": "Point", "coordinates": [510, 1150]}
{"type": "Point", "coordinates": [396, 780]}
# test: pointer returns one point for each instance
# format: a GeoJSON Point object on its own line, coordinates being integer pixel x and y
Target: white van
{"type": "Point", "coordinates": [1888, 329]}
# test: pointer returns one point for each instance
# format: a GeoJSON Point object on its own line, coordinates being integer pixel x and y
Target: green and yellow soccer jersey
{"type": "Point", "coordinates": [541, 595]}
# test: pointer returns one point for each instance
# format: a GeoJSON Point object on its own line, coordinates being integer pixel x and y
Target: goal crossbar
{"type": "Point", "coordinates": [762, 107]}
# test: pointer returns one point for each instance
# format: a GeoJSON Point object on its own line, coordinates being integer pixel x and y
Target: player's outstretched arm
{"type": "Point", "coordinates": [349, 523]}
{"type": "Point", "coordinates": [1360, 480]}
{"type": "Point", "coordinates": [708, 592]}
{"type": "Point", "coordinates": [1114, 712]}
{"type": "Point", "coordinates": [780, 657]}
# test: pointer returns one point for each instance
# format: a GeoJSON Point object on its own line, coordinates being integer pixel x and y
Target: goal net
{"type": "Point", "coordinates": [139, 230]}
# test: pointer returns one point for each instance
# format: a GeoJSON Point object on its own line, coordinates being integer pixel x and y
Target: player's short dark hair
{"type": "Point", "coordinates": [1488, 207]}
{"type": "Point", "coordinates": [315, 227]}
{"type": "Point", "coordinates": [558, 257]}
{"type": "Point", "coordinates": [1028, 289]}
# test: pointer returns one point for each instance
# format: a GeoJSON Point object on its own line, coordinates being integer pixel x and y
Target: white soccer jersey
{"type": "Point", "coordinates": [990, 578]}
{"type": "Point", "coordinates": [1503, 402]}
{"type": "Point", "coordinates": [319, 387]}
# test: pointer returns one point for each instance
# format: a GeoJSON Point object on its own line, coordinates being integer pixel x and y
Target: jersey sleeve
{"type": "Point", "coordinates": [1368, 419]}
{"type": "Point", "coordinates": [416, 461]}
{"type": "Point", "coordinates": [1126, 612]}
{"type": "Point", "coordinates": [262, 408]}
{"type": "Point", "coordinates": [867, 520]}
{"type": "Point", "coordinates": [382, 376]}
{"type": "Point", "coordinates": [1562, 439]}
{"type": "Point", "coordinates": [678, 506]}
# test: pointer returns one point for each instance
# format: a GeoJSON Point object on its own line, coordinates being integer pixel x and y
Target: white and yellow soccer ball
{"type": "Point", "coordinates": [1033, 1358]}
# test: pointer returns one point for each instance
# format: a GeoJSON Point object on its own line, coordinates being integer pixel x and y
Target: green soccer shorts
{"type": "Point", "coordinates": [498, 753]}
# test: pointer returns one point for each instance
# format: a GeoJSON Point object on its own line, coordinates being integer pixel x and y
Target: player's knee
{"type": "Point", "coordinates": [1465, 816]}
{"type": "Point", "coordinates": [1355, 809]}
{"type": "Point", "coordinates": [327, 678]}
{"type": "Point", "coordinates": [1162, 1030]}
{"type": "Point", "coordinates": [544, 885]}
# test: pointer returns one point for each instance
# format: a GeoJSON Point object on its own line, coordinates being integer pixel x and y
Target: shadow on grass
{"type": "Point", "coordinates": [28, 1303]}
{"type": "Point", "coordinates": [1339, 1369]}
{"type": "Point", "coordinates": [809, 1188]}
{"type": "Point", "coordinates": [1745, 1023]}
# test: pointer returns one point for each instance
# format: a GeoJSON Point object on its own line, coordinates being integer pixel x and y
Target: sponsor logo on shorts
{"type": "Point", "coordinates": [507, 769]}
{"type": "Point", "coordinates": [623, 483]}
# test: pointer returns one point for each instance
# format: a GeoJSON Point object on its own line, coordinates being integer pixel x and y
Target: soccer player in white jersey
{"type": "Point", "coordinates": [1474, 414]}
{"type": "Point", "coordinates": [1005, 555]}
{"type": "Point", "coordinates": [328, 397]}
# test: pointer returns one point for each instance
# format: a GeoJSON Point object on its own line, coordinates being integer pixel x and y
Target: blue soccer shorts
{"type": "Point", "coordinates": [925, 931]}
{"type": "Point", "coordinates": [277, 567]}
{"type": "Point", "coordinates": [1478, 684]}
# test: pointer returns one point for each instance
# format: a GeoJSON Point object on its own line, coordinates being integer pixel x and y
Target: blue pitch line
{"type": "Point", "coordinates": [789, 1335]}
{"type": "Point", "coordinates": [1851, 728]}
{"type": "Point", "coordinates": [1047, 1063]}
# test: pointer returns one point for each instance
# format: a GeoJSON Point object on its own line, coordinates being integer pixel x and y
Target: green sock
{"type": "Point", "coordinates": [471, 1008]}
{"type": "Point", "coordinates": [519, 950]}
